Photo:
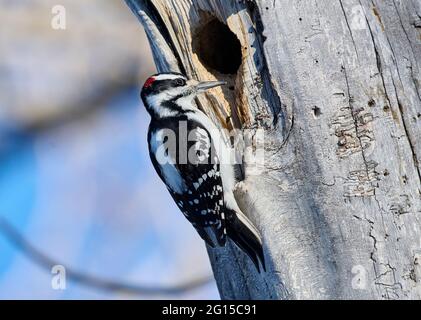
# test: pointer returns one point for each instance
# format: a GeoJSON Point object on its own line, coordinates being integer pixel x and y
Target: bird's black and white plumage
{"type": "Point", "coordinates": [193, 160]}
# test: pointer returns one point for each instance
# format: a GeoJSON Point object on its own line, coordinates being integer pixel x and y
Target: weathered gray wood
{"type": "Point", "coordinates": [336, 87]}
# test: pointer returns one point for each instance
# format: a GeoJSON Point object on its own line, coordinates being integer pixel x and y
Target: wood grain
{"type": "Point", "coordinates": [336, 87]}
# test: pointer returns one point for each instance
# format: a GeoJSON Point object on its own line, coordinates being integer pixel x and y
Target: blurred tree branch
{"type": "Point", "coordinates": [18, 240]}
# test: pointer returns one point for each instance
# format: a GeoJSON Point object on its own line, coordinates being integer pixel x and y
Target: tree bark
{"type": "Point", "coordinates": [335, 85]}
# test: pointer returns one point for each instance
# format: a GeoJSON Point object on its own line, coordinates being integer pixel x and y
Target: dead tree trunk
{"type": "Point", "coordinates": [336, 87]}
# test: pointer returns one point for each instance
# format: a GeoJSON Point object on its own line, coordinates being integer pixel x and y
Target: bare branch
{"type": "Point", "coordinates": [40, 258]}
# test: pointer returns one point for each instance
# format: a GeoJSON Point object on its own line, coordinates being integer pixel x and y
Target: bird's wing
{"type": "Point", "coordinates": [195, 184]}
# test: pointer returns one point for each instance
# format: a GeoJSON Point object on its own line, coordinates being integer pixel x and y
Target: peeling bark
{"type": "Point", "coordinates": [336, 87]}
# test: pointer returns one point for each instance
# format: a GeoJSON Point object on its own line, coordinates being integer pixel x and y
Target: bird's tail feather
{"type": "Point", "coordinates": [246, 237]}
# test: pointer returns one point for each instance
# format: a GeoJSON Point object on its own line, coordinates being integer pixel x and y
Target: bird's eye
{"type": "Point", "coordinates": [180, 82]}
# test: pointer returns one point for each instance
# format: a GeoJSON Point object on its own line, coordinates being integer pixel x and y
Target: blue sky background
{"type": "Point", "coordinates": [83, 191]}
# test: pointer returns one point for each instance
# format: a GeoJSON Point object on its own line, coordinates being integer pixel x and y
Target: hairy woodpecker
{"type": "Point", "coordinates": [193, 160]}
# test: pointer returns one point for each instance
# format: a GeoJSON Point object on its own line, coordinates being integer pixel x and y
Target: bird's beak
{"type": "Point", "coordinates": [206, 85]}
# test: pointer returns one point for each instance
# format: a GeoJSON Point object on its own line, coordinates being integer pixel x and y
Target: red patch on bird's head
{"type": "Point", "coordinates": [149, 82]}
